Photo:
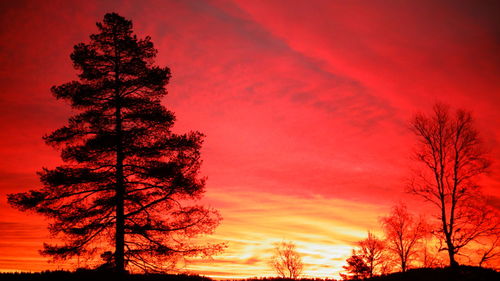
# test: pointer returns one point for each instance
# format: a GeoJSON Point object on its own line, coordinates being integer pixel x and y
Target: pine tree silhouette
{"type": "Point", "coordinates": [127, 176]}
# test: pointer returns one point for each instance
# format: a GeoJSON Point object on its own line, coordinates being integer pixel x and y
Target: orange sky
{"type": "Point", "coordinates": [305, 105]}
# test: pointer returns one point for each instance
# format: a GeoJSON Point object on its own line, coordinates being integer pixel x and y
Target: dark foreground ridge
{"type": "Point", "coordinates": [463, 273]}
{"type": "Point", "coordinates": [96, 276]}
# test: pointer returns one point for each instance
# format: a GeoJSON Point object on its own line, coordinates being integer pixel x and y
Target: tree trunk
{"type": "Point", "coordinates": [120, 185]}
{"type": "Point", "coordinates": [451, 251]}
{"type": "Point", "coordinates": [119, 178]}
{"type": "Point", "coordinates": [451, 254]}
{"type": "Point", "coordinates": [120, 193]}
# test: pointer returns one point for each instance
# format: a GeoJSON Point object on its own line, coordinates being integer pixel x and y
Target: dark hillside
{"type": "Point", "coordinates": [463, 273]}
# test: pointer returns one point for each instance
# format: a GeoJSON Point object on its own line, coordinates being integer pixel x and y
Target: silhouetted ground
{"type": "Point", "coordinates": [284, 279]}
{"type": "Point", "coordinates": [96, 276]}
{"type": "Point", "coordinates": [463, 273]}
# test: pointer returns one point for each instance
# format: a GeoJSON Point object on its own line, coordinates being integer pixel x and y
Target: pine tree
{"type": "Point", "coordinates": [127, 177]}
{"type": "Point", "coordinates": [356, 268]}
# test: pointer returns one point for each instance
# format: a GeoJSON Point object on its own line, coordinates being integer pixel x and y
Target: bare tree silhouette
{"type": "Point", "coordinates": [490, 251]}
{"type": "Point", "coordinates": [429, 253]}
{"type": "Point", "coordinates": [127, 177]}
{"type": "Point", "coordinates": [286, 261]}
{"type": "Point", "coordinates": [403, 232]}
{"type": "Point", "coordinates": [451, 158]}
{"type": "Point", "coordinates": [372, 250]}
{"type": "Point", "coordinates": [488, 247]}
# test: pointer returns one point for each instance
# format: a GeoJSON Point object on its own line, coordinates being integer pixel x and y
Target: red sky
{"type": "Point", "coordinates": [305, 105]}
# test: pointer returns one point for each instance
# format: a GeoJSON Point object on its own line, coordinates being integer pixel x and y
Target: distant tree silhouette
{"type": "Point", "coordinates": [488, 248]}
{"type": "Point", "coordinates": [451, 158]}
{"type": "Point", "coordinates": [356, 268]}
{"type": "Point", "coordinates": [490, 251]}
{"type": "Point", "coordinates": [372, 251]}
{"type": "Point", "coordinates": [127, 177]}
{"type": "Point", "coordinates": [429, 253]}
{"type": "Point", "coordinates": [403, 232]}
{"type": "Point", "coordinates": [286, 261]}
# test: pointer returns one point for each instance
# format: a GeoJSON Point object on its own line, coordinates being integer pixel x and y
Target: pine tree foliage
{"type": "Point", "coordinates": [356, 268]}
{"type": "Point", "coordinates": [127, 177]}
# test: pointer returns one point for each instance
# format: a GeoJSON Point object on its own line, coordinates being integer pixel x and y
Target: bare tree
{"type": "Point", "coordinates": [286, 261]}
{"type": "Point", "coordinates": [429, 253]}
{"type": "Point", "coordinates": [403, 232]}
{"type": "Point", "coordinates": [489, 247]}
{"type": "Point", "coordinates": [452, 158]}
{"type": "Point", "coordinates": [372, 250]}
{"type": "Point", "coordinates": [490, 252]}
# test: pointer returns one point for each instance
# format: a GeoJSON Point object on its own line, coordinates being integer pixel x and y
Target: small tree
{"type": "Point", "coordinates": [286, 261]}
{"type": "Point", "coordinates": [451, 159]}
{"type": "Point", "coordinates": [127, 176]}
{"type": "Point", "coordinates": [490, 251]}
{"type": "Point", "coordinates": [403, 232]}
{"type": "Point", "coordinates": [429, 253]}
{"type": "Point", "coordinates": [488, 248]}
{"type": "Point", "coordinates": [372, 251]}
{"type": "Point", "coordinates": [356, 268]}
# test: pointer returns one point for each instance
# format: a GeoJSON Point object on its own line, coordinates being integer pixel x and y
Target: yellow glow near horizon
{"type": "Point", "coordinates": [323, 229]}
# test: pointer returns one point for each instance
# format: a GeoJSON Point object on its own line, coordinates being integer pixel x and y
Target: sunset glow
{"type": "Point", "coordinates": [305, 106]}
